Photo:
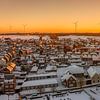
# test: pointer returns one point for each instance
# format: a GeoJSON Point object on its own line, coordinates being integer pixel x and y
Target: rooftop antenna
{"type": "Point", "coordinates": [76, 23]}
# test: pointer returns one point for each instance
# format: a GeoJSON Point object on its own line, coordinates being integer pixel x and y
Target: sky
{"type": "Point", "coordinates": [49, 15]}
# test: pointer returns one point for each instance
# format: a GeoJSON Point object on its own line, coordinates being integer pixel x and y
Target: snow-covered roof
{"type": "Point", "coordinates": [86, 56]}
{"type": "Point", "coordinates": [69, 52]}
{"type": "Point", "coordinates": [46, 37]}
{"type": "Point", "coordinates": [74, 60]}
{"type": "Point", "coordinates": [42, 75]}
{"type": "Point", "coordinates": [35, 68]}
{"type": "Point", "coordinates": [62, 65]}
{"type": "Point", "coordinates": [53, 57]}
{"type": "Point", "coordinates": [75, 56]}
{"type": "Point", "coordinates": [66, 56]}
{"type": "Point", "coordinates": [74, 69]}
{"type": "Point", "coordinates": [67, 76]}
{"type": "Point", "coordinates": [51, 68]}
{"type": "Point", "coordinates": [18, 68]}
{"type": "Point", "coordinates": [39, 82]}
{"type": "Point", "coordinates": [93, 53]}
{"type": "Point", "coordinates": [96, 58]}
{"type": "Point", "coordinates": [41, 60]}
{"type": "Point", "coordinates": [77, 52]}
{"type": "Point", "coordinates": [36, 55]}
{"type": "Point", "coordinates": [2, 62]}
{"type": "Point", "coordinates": [16, 72]}
{"type": "Point", "coordinates": [18, 87]}
{"type": "Point", "coordinates": [1, 75]}
{"type": "Point", "coordinates": [52, 61]}
{"type": "Point", "coordinates": [22, 57]}
{"type": "Point", "coordinates": [19, 80]}
{"type": "Point", "coordinates": [11, 97]}
{"type": "Point", "coordinates": [93, 70]}
{"type": "Point", "coordinates": [7, 81]}
{"type": "Point", "coordinates": [11, 66]}
{"type": "Point", "coordinates": [61, 55]}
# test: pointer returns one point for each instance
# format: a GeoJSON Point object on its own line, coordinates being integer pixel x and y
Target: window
{"type": "Point", "coordinates": [11, 86]}
{"type": "Point", "coordinates": [6, 86]}
{"type": "Point", "coordinates": [73, 81]}
{"type": "Point", "coordinates": [88, 82]}
{"type": "Point", "coordinates": [28, 88]}
{"type": "Point", "coordinates": [48, 76]}
{"type": "Point", "coordinates": [46, 86]}
{"type": "Point", "coordinates": [53, 76]}
{"type": "Point", "coordinates": [93, 81]}
{"type": "Point", "coordinates": [69, 82]}
{"type": "Point", "coordinates": [71, 85]}
{"type": "Point", "coordinates": [24, 88]}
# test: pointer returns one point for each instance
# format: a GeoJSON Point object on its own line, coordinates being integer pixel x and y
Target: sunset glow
{"type": "Point", "coordinates": [49, 15]}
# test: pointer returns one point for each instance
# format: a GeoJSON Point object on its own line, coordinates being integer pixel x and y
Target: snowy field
{"type": "Point", "coordinates": [76, 37]}
{"type": "Point", "coordinates": [46, 37]}
{"type": "Point", "coordinates": [20, 36]}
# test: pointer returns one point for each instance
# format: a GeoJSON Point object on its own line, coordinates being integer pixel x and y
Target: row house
{"type": "Point", "coordinates": [87, 59]}
{"type": "Point", "coordinates": [42, 63]}
{"type": "Point", "coordinates": [83, 49]}
{"type": "Point", "coordinates": [41, 76]}
{"type": "Point", "coordinates": [69, 80]}
{"type": "Point", "coordinates": [73, 76]}
{"type": "Point", "coordinates": [90, 58]}
{"type": "Point", "coordinates": [75, 59]}
{"type": "Point", "coordinates": [41, 86]}
{"type": "Point", "coordinates": [10, 68]}
{"type": "Point", "coordinates": [51, 68]}
{"type": "Point", "coordinates": [1, 83]}
{"type": "Point", "coordinates": [60, 58]}
{"type": "Point", "coordinates": [96, 60]}
{"type": "Point", "coordinates": [9, 56]}
{"type": "Point", "coordinates": [94, 74]}
{"type": "Point", "coordinates": [34, 69]}
{"type": "Point", "coordinates": [2, 63]}
{"type": "Point", "coordinates": [62, 65]}
{"type": "Point", "coordinates": [9, 83]}
{"type": "Point", "coordinates": [78, 77]}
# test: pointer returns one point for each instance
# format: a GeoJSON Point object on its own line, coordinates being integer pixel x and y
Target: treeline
{"type": "Point", "coordinates": [59, 34]}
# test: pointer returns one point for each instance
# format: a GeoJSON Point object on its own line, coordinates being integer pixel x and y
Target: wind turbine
{"type": "Point", "coordinates": [76, 25]}
{"type": "Point", "coordinates": [24, 26]}
{"type": "Point", "coordinates": [98, 24]}
{"type": "Point", "coordinates": [10, 29]}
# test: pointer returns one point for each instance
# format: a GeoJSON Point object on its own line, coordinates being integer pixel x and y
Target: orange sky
{"type": "Point", "coordinates": [49, 15]}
